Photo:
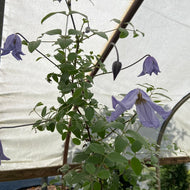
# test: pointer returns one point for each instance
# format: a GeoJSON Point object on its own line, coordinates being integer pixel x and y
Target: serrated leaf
{"type": "Point", "coordinates": [116, 157]}
{"type": "Point", "coordinates": [120, 144]}
{"type": "Point", "coordinates": [54, 32]}
{"type": "Point", "coordinates": [51, 14]}
{"type": "Point", "coordinates": [76, 141]}
{"type": "Point", "coordinates": [90, 168]}
{"type": "Point", "coordinates": [97, 148]}
{"type": "Point", "coordinates": [33, 45]}
{"type": "Point", "coordinates": [136, 165]}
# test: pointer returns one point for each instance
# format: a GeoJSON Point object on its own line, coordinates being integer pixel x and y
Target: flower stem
{"type": "Point", "coordinates": [124, 67]}
{"type": "Point", "coordinates": [38, 51]}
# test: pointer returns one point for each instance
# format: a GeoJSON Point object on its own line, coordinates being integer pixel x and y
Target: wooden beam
{"type": "Point", "coordinates": [11, 175]}
{"type": "Point", "coordinates": [21, 174]}
{"type": "Point", "coordinates": [130, 12]}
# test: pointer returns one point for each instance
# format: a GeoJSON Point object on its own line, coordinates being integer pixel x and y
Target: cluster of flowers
{"type": "Point", "coordinates": [144, 106]}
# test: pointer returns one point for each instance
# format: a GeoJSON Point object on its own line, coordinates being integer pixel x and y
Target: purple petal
{"type": "Point", "coordinates": [2, 156]}
{"type": "Point", "coordinates": [147, 116]}
{"type": "Point", "coordinates": [13, 43]}
{"type": "Point", "coordinates": [121, 106]}
{"type": "Point", "coordinates": [160, 110]}
{"type": "Point", "coordinates": [130, 99]}
{"type": "Point", "coordinates": [150, 65]}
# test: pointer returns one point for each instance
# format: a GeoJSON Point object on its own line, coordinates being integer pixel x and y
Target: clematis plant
{"type": "Point", "coordinates": [77, 116]}
{"type": "Point", "coordinates": [13, 44]}
{"type": "Point", "coordinates": [2, 155]}
{"type": "Point", "coordinates": [150, 66]}
{"type": "Point", "coordinates": [144, 106]}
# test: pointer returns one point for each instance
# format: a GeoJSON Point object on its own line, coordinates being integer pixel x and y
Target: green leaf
{"type": "Point", "coordinates": [116, 157]}
{"type": "Point", "coordinates": [64, 43]}
{"type": "Point", "coordinates": [97, 148]}
{"type": "Point", "coordinates": [136, 165]}
{"type": "Point", "coordinates": [80, 156]}
{"type": "Point", "coordinates": [101, 34]}
{"type": "Point", "coordinates": [77, 92]}
{"type": "Point", "coordinates": [99, 126]}
{"type": "Point", "coordinates": [138, 137]}
{"type": "Point", "coordinates": [76, 12]}
{"type": "Point", "coordinates": [33, 45]}
{"type": "Point", "coordinates": [39, 104]}
{"type": "Point", "coordinates": [136, 146]}
{"type": "Point", "coordinates": [104, 174]}
{"type": "Point", "coordinates": [51, 14]}
{"type": "Point", "coordinates": [96, 186]}
{"type": "Point", "coordinates": [60, 127]}
{"type": "Point", "coordinates": [160, 94]}
{"type": "Point", "coordinates": [90, 168]}
{"type": "Point", "coordinates": [76, 141]}
{"type": "Point", "coordinates": [44, 110]}
{"type": "Point", "coordinates": [72, 56]}
{"type": "Point", "coordinates": [115, 125]}
{"type": "Point", "coordinates": [51, 126]}
{"type": "Point", "coordinates": [75, 32]}
{"type": "Point", "coordinates": [116, 20]}
{"type": "Point", "coordinates": [60, 100]}
{"type": "Point", "coordinates": [89, 113]}
{"type": "Point", "coordinates": [54, 32]}
{"type": "Point", "coordinates": [120, 144]}
{"type": "Point", "coordinates": [123, 32]}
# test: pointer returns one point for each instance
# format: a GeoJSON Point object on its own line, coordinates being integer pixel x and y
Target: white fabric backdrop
{"type": "Point", "coordinates": [166, 24]}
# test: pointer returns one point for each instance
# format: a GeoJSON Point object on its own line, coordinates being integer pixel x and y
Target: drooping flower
{"type": "Point", "coordinates": [150, 66]}
{"type": "Point", "coordinates": [13, 44]}
{"type": "Point", "coordinates": [2, 156]}
{"type": "Point", "coordinates": [144, 106]}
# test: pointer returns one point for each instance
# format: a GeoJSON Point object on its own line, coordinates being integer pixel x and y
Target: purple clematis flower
{"type": "Point", "coordinates": [2, 156]}
{"type": "Point", "coordinates": [150, 66]}
{"type": "Point", "coordinates": [13, 43]}
{"type": "Point", "coordinates": [144, 106]}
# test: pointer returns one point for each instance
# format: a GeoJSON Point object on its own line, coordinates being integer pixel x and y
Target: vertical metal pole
{"type": "Point", "coordinates": [2, 7]}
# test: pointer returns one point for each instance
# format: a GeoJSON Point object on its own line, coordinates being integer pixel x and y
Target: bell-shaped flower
{"type": "Point", "coordinates": [144, 106]}
{"type": "Point", "coordinates": [150, 66]}
{"type": "Point", "coordinates": [13, 44]}
{"type": "Point", "coordinates": [2, 156]}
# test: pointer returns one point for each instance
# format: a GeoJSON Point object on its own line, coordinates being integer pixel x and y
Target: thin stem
{"type": "Point", "coordinates": [115, 50]}
{"type": "Point", "coordinates": [124, 67]}
{"type": "Point", "coordinates": [38, 51]}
